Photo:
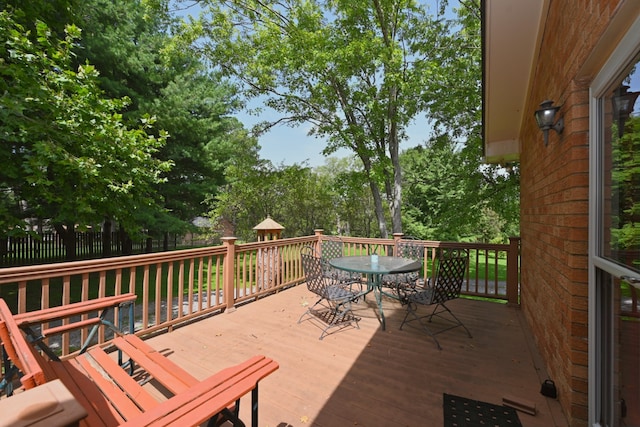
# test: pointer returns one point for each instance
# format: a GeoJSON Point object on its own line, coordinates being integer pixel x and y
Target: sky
{"type": "Point", "coordinates": [284, 145]}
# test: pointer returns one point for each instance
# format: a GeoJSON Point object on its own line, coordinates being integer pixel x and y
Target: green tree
{"type": "Point", "coordinates": [450, 194]}
{"type": "Point", "coordinates": [351, 198]}
{"type": "Point", "coordinates": [130, 42]}
{"type": "Point", "coordinates": [358, 72]}
{"type": "Point", "coordinates": [195, 110]}
{"type": "Point", "coordinates": [441, 197]}
{"type": "Point", "coordinates": [294, 196]}
{"type": "Point", "coordinates": [71, 159]}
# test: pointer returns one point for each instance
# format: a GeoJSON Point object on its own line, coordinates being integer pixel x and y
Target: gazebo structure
{"type": "Point", "coordinates": [268, 230]}
{"type": "Point", "coordinates": [268, 263]}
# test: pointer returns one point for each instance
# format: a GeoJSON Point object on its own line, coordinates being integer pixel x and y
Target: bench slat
{"type": "Point", "coordinates": [158, 358]}
{"type": "Point", "coordinates": [122, 391]}
{"type": "Point", "coordinates": [143, 398]}
{"type": "Point", "coordinates": [167, 373]}
{"type": "Point", "coordinates": [83, 389]}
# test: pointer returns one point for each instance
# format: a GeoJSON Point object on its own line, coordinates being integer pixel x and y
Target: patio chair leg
{"type": "Point", "coordinates": [412, 309]}
{"type": "Point", "coordinates": [457, 320]}
{"type": "Point", "coordinates": [336, 316]}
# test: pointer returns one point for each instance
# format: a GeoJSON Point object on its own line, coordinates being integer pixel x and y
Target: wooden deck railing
{"type": "Point", "coordinates": [180, 286]}
{"type": "Point", "coordinates": [493, 268]}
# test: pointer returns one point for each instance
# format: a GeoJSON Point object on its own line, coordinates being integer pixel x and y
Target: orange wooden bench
{"type": "Point", "coordinates": [111, 396]}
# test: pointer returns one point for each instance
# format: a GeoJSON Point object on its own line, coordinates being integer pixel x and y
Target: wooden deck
{"type": "Point", "coordinates": [367, 377]}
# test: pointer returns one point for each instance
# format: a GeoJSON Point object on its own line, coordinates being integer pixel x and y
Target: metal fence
{"type": "Point", "coordinates": [49, 247]}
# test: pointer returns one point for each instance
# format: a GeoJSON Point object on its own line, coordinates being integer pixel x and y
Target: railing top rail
{"type": "Point", "coordinates": [36, 272]}
{"type": "Point", "coordinates": [425, 243]}
{"type": "Point", "coordinates": [273, 243]}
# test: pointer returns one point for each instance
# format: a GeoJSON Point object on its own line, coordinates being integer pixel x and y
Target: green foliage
{"type": "Point", "coordinates": [81, 142]}
{"type": "Point", "coordinates": [131, 42]}
{"type": "Point", "coordinates": [293, 196]}
{"type": "Point", "coordinates": [440, 198]}
{"type": "Point", "coordinates": [449, 196]}
{"type": "Point", "coordinates": [448, 193]}
{"type": "Point", "coordinates": [625, 230]}
{"type": "Point", "coordinates": [351, 198]}
{"type": "Point", "coordinates": [56, 14]}
{"type": "Point", "coordinates": [69, 157]}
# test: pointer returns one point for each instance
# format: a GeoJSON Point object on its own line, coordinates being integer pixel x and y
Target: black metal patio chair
{"type": "Point", "coordinates": [445, 286]}
{"type": "Point", "coordinates": [333, 306]}
{"type": "Point", "coordinates": [400, 283]}
{"type": "Point", "coordinates": [334, 248]}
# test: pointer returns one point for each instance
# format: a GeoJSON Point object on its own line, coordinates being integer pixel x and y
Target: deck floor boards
{"type": "Point", "coordinates": [367, 377]}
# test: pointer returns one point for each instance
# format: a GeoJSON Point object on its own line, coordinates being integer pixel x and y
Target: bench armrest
{"type": "Point", "coordinates": [210, 396]}
{"type": "Point", "coordinates": [69, 310]}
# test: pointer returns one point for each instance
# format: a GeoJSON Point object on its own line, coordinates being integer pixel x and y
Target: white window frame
{"type": "Point", "coordinates": [624, 53]}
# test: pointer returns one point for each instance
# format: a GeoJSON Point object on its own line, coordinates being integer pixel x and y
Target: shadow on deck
{"type": "Point", "coordinates": [368, 377]}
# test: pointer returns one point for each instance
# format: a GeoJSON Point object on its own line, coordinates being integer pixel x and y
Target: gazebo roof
{"type": "Point", "coordinates": [268, 224]}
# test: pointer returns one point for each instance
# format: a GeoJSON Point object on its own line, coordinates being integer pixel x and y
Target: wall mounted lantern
{"type": "Point", "coordinates": [545, 117]}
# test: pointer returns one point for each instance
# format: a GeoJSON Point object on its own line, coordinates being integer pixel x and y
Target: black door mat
{"type": "Point", "coordinates": [463, 412]}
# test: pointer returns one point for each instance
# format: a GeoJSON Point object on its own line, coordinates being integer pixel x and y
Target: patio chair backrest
{"type": "Point", "coordinates": [450, 274]}
{"type": "Point", "coordinates": [331, 248]}
{"type": "Point", "coordinates": [411, 249]}
{"type": "Point", "coordinates": [313, 270]}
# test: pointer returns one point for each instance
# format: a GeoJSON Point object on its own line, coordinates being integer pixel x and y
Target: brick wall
{"type": "Point", "coordinates": [554, 201]}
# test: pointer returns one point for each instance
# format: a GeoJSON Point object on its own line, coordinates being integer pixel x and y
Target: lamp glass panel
{"type": "Point", "coordinates": [547, 116]}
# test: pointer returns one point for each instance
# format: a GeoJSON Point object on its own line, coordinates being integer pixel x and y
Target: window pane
{"type": "Point", "coordinates": [627, 355]}
{"type": "Point", "coordinates": [621, 225]}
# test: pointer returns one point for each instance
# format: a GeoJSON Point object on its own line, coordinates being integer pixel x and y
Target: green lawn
{"type": "Point", "coordinates": [34, 289]}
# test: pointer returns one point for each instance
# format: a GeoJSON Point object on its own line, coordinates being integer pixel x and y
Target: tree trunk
{"type": "Point", "coordinates": [125, 242]}
{"type": "Point", "coordinates": [68, 235]}
{"type": "Point", "coordinates": [377, 201]}
{"type": "Point", "coordinates": [106, 238]}
{"type": "Point", "coordinates": [394, 193]}
{"type": "Point", "coordinates": [165, 241]}
{"type": "Point", "coordinates": [377, 198]}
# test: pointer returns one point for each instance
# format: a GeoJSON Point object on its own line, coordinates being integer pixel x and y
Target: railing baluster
{"type": "Point", "coordinates": [169, 300]}
{"type": "Point", "coordinates": [158, 294]}
{"type": "Point", "coordinates": [192, 267]}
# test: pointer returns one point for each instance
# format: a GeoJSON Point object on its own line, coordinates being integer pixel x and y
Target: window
{"type": "Point", "coordinates": [614, 249]}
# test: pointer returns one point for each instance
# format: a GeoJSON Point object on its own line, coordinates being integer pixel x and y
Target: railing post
{"type": "Point", "coordinates": [396, 240]}
{"type": "Point", "coordinates": [319, 232]}
{"type": "Point", "coordinates": [228, 272]}
{"type": "Point", "coordinates": [513, 258]}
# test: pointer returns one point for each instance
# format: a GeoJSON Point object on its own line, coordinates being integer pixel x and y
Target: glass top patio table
{"type": "Point", "coordinates": [375, 271]}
